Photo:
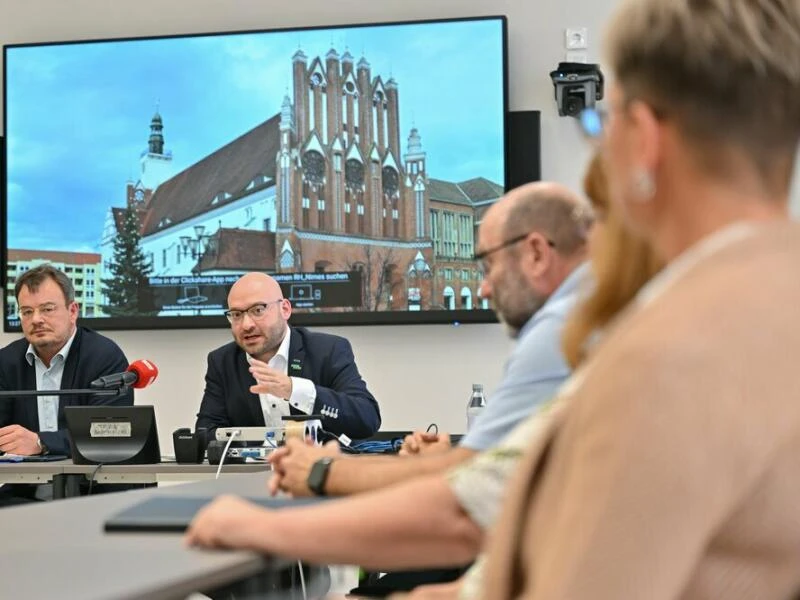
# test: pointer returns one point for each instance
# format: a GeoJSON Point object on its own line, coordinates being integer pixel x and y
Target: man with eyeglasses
{"type": "Point", "coordinates": [272, 370]}
{"type": "Point", "coordinates": [55, 353]}
{"type": "Point", "coordinates": [532, 248]}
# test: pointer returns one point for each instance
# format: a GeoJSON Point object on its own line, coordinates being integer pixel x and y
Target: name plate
{"type": "Point", "coordinates": [113, 429]}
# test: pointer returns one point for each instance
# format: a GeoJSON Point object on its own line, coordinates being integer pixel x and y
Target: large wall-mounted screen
{"type": "Point", "coordinates": [352, 163]}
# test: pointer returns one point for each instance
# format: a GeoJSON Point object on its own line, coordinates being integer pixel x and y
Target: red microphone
{"type": "Point", "coordinates": [146, 373]}
{"type": "Point", "coordinates": [139, 374]}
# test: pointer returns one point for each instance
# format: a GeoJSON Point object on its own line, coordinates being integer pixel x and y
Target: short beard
{"type": "Point", "coordinates": [269, 347]}
{"type": "Point", "coordinates": [511, 331]}
{"type": "Point", "coordinates": [264, 350]}
{"type": "Point", "coordinates": [514, 312]}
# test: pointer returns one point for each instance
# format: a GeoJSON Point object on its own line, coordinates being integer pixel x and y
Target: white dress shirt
{"type": "Point", "coordinates": [49, 378]}
{"type": "Point", "coordinates": [304, 393]}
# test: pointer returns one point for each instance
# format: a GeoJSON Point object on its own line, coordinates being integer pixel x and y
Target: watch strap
{"type": "Point", "coordinates": [319, 475]}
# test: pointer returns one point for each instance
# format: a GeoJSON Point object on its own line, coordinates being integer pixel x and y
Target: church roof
{"type": "Point", "coordinates": [240, 250]}
{"type": "Point", "coordinates": [481, 188]}
{"type": "Point", "coordinates": [465, 193]}
{"type": "Point", "coordinates": [230, 169]}
{"type": "Point", "coordinates": [447, 191]}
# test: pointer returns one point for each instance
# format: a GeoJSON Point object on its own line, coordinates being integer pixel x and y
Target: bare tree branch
{"type": "Point", "coordinates": [378, 281]}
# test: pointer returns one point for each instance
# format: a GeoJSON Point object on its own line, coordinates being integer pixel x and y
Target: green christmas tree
{"type": "Point", "coordinates": [127, 290]}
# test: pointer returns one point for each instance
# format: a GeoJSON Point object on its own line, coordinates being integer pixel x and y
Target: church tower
{"type": "Point", "coordinates": [416, 180]}
{"type": "Point", "coordinates": [156, 165]}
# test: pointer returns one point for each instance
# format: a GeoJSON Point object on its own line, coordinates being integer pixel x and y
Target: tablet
{"type": "Point", "coordinates": [174, 513]}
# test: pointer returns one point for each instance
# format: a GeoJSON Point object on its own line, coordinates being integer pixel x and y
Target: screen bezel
{"type": "Point", "coordinates": [328, 319]}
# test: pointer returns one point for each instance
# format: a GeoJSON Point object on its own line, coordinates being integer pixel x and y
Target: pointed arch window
{"type": "Point", "coordinates": [313, 167]}
{"type": "Point", "coordinates": [391, 181]}
{"type": "Point", "coordinates": [353, 173]}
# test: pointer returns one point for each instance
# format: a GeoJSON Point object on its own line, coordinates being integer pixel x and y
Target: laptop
{"type": "Point", "coordinates": [174, 513]}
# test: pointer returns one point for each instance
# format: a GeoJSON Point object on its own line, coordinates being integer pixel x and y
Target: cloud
{"type": "Point", "coordinates": [79, 115]}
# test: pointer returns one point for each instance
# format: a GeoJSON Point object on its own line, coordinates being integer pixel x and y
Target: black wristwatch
{"type": "Point", "coordinates": [318, 475]}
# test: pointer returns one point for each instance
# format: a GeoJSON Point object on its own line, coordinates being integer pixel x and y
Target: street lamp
{"type": "Point", "coordinates": [195, 247]}
{"type": "Point", "coordinates": [418, 271]}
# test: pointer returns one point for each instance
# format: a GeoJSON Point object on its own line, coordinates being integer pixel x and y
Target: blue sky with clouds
{"type": "Point", "coordinates": [78, 115]}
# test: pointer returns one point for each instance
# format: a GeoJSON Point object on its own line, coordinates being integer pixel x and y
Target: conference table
{"type": "Point", "coordinates": [59, 550]}
{"type": "Point", "coordinates": [66, 476]}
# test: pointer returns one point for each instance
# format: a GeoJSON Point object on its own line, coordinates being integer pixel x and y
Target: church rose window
{"type": "Point", "coordinates": [313, 167]}
{"type": "Point", "coordinates": [354, 173]}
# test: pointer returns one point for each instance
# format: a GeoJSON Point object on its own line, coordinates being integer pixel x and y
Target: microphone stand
{"type": "Point", "coordinates": [76, 392]}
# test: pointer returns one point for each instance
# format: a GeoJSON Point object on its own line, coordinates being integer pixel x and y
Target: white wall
{"type": "Point", "coordinates": [418, 373]}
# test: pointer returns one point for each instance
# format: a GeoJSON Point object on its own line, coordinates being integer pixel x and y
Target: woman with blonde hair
{"type": "Point", "coordinates": [671, 469]}
{"type": "Point", "coordinates": [621, 264]}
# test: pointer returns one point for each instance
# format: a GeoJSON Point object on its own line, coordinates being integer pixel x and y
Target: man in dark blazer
{"type": "Point", "coordinates": [55, 353]}
{"type": "Point", "coordinates": [272, 370]}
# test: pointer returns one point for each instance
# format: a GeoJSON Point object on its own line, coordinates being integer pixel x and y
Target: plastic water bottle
{"type": "Point", "coordinates": [477, 401]}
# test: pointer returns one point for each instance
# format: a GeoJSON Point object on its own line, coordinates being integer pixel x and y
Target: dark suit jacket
{"type": "Point", "coordinates": [90, 356]}
{"type": "Point", "coordinates": [327, 360]}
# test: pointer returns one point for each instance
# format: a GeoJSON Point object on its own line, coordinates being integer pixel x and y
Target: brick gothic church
{"type": "Point", "coordinates": [340, 172]}
{"type": "Point", "coordinates": [320, 186]}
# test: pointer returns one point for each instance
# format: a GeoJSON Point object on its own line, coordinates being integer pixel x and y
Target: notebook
{"type": "Point", "coordinates": [174, 513]}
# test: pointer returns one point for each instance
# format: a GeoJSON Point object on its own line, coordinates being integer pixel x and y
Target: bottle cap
{"type": "Point", "coordinates": [477, 387]}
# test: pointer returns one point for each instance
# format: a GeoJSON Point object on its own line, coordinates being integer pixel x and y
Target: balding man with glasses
{"type": "Point", "coordinates": [532, 251]}
{"type": "Point", "coordinates": [272, 370]}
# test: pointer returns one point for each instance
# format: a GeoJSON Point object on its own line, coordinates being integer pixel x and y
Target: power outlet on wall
{"type": "Point", "coordinates": [576, 38]}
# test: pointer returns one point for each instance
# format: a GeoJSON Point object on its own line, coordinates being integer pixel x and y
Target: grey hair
{"type": "Point", "coordinates": [554, 211]}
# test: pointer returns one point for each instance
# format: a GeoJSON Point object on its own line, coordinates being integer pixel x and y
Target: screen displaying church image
{"type": "Point", "coordinates": [352, 163]}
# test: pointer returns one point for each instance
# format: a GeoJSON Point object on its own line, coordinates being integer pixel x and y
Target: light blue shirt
{"type": "Point", "coordinates": [49, 378]}
{"type": "Point", "coordinates": [534, 371]}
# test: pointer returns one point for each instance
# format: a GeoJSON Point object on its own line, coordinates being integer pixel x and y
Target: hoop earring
{"type": "Point", "coordinates": [644, 186]}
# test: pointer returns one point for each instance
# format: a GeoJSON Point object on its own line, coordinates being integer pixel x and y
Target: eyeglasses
{"type": "Point", "coordinates": [256, 312]}
{"type": "Point", "coordinates": [480, 256]}
{"type": "Point", "coordinates": [45, 310]}
{"type": "Point", "coordinates": [592, 122]}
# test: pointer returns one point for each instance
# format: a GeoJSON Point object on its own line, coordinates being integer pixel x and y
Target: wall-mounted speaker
{"type": "Point", "coordinates": [524, 147]}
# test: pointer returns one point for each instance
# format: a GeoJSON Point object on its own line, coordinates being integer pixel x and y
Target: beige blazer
{"type": "Point", "coordinates": [672, 469]}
